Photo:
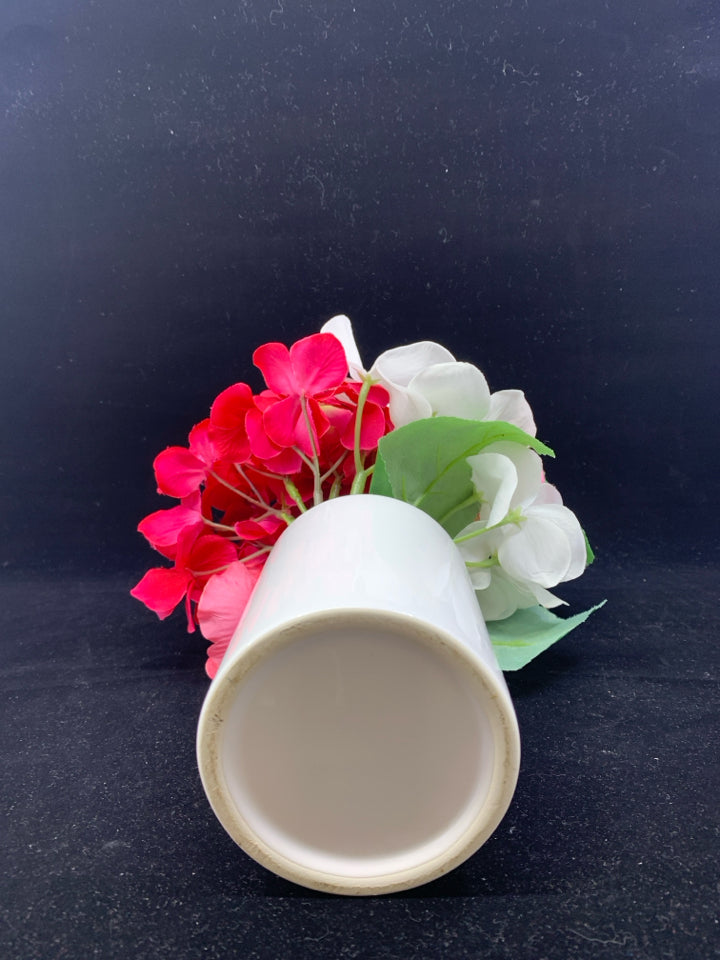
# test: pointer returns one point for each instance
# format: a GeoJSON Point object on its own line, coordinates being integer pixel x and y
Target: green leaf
{"type": "Point", "coordinates": [380, 482]}
{"type": "Point", "coordinates": [425, 464]}
{"type": "Point", "coordinates": [520, 638]}
{"type": "Point", "coordinates": [589, 553]}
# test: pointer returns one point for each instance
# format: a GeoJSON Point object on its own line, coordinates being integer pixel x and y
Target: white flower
{"type": "Point", "coordinates": [524, 540]}
{"type": "Point", "coordinates": [424, 380]}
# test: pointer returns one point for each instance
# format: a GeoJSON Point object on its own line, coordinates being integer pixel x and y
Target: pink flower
{"type": "Point", "coordinates": [276, 459]}
{"type": "Point", "coordinates": [375, 417]}
{"type": "Point", "coordinates": [180, 471]}
{"type": "Point", "coordinates": [199, 555]}
{"type": "Point", "coordinates": [312, 366]}
{"type": "Point", "coordinates": [163, 528]}
{"type": "Point", "coordinates": [227, 422]}
{"type": "Point", "coordinates": [310, 371]}
{"type": "Point", "coordinates": [221, 606]}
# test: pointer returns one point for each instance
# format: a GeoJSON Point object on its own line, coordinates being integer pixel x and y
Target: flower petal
{"type": "Point", "coordinates": [528, 466]}
{"type": "Point", "coordinates": [372, 428]}
{"type": "Point", "coordinates": [162, 528]}
{"type": "Point", "coordinates": [221, 607]}
{"type": "Point", "coordinates": [406, 406]}
{"type": "Point", "coordinates": [547, 493]}
{"type": "Point", "coordinates": [502, 597]}
{"type": "Point", "coordinates": [268, 529]}
{"type": "Point", "coordinates": [538, 552]}
{"type": "Point", "coordinates": [208, 553]}
{"type": "Point", "coordinates": [565, 520]}
{"type": "Point", "coordinates": [512, 407]}
{"type": "Point", "coordinates": [318, 363]}
{"type": "Point", "coordinates": [227, 422]}
{"type": "Point", "coordinates": [273, 361]}
{"type": "Point", "coordinates": [399, 365]}
{"type": "Point", "coordinates": [454, 390]}
{"type": "Point", "coordinates": [178, 472]}
{"type": "Point", "coordinates": [495, 479]}
{"type": "Point", "coordinates": [162, 589]}
{"type": "Point", "coordinates": [280, 421]}
{"type": "Point", "coordinates": [201, 444]}
{"type": "Point", "coordinates": [341, 328]}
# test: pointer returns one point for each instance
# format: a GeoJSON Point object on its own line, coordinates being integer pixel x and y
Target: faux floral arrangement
{"type": "Point", "coordinates": [419, 426]}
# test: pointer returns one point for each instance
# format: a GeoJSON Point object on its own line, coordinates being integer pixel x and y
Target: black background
{"type": "Point", "coordinates": [533, 184]}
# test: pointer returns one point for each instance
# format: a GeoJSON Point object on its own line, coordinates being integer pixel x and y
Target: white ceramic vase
{"type": "Point", "coordinates": [359, 737]}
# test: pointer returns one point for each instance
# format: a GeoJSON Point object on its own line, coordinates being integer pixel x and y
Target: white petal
{"type": "Point", "coordinates": [565, 520]}
{"type": "Point", "coordinates": [398, 366]}
{"type": "Point", "coordinates": [529, 470]}
{"type": "Point", "coordinates": [406, 406]}
{"type": "Point", "coordinates": [495, 478]}
{"type": "Point", "coordinates": [478, 547]}
{"type": "Point", "coordinates": [480, 577]}
{"type": "Point", "coordinates": [512, 407]}
{"type": "Point", "coordinates": [341, 327]}
{"type": "Point", "coordinates": [547, 493]}
{"type": "Point", "coordinates": [454, 390]}
{"type": "Point", "coordinates": [538, 552]}
{"type": "Point", "coordinates": [544, 597]}
{"type": "Point", "coordinates": [503, 597]}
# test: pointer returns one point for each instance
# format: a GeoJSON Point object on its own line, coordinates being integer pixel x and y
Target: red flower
{"type": "Point", "coordinates": [375, 416]}
{"type": "Point", "coordinates": [180, 471]}
{"type": "Point", "coordinates": [221, 606]}
{"type": "Point", "coordinates": [227, 422]}
{"type": "Point", "coordinates": [199, 555]}
{"type": "Point", "coordinates": [310, 371]}
{"type": "Point", "coordinates": [163, 528]}
{"type": "Point", "coordinates": [253, 465]}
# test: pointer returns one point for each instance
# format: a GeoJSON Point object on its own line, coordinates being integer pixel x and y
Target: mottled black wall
{"type": "Point", "coordinates": [534, 184]}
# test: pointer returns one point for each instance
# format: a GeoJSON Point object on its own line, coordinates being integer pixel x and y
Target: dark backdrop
{"type": "Point", "coordinates": [533, 184]}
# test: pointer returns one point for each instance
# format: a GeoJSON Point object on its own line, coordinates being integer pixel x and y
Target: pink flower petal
{"type": "Point", "coordinates": [260, 529]}
{"type": "Point", "coordinates": [178, 472]}
{"type": "Point", "coordinates": [200, 443]}
{"type": "Point", "coordinates": [372, 428]}
{"type": "Point", "coordinates": [281, 421]}
{"type": "Point", "coordinates": [162, 528]}
{"type": "Point", "coordinates": [162, 589]}
{"type": "Point", "coordinates": [261, 445]}
{"type": "Point", "coordinates": [227, 422]}
{"type": "Point", "coordinates": [273, 361]}
{"type": "Point", "coordinates": [285, 463]}
{"type": "Point", "coordinates": [221, 606]}
{"type": "Point", "coordinates": [209, 553]}
{"type": "Point", "coordinates": [319, 363]}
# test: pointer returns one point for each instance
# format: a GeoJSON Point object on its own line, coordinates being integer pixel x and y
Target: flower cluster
{"type": "Point", "coordinates": [523, 540]}
{"type": "Point", "coordinates": [250, 468]}
{"type": "Point", "coordinates": [315, 433]}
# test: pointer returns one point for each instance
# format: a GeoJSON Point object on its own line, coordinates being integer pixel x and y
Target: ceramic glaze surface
{"type": "Point", "coordinates": [366, 552]}
{"type": "Point", "coordinates": [356, 752]}
{"type": "Point", "coordinates": [359, 737]}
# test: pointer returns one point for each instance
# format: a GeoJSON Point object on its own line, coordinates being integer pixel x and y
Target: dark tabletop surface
{"type": "Point", "coordinates": [533, 184]}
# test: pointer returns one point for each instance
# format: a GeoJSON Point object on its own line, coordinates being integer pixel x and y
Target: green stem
{"type": "Point", "coordinates": [362, 397]}
{"type": "Point", "coordinates": [315, 464]}
{"type": "Point", "coordinates": [480, 564]}
{"type": "Point", "coordinates": [248, 481]}
{"type": "Point", "coordinates": [358, 484]}
{"type": "Point", "coordinates": [208, 573]}
{"type": "Point", "coordinates": [218, 526]}
{"type": "Point", "coordinates": [246, 496]}
{"type": "Point", "coordinates": [515, 516]}
{"type": "Point", "coordinates": [333, 468]}
{"type": "Point", "coordinates": [294, 494]}
{"type": "Point", "coordinates": [258, 552]}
